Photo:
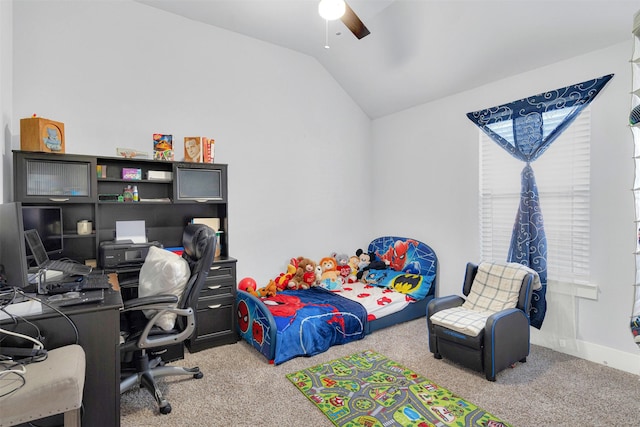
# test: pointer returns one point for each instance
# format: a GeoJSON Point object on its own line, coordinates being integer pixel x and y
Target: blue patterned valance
{"type": "Point", "coordinates": [525, 129]}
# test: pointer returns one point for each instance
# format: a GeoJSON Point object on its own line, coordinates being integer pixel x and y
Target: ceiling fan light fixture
{"type": "Point", "coordinates": [331, 9]}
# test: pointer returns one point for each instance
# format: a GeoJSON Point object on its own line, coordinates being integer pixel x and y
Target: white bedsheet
{"type": "Point", "coordinates": [378, 302]}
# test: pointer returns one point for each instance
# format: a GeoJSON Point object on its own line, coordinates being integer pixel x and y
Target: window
{"type": "Point", "coordinates": [562, 175]}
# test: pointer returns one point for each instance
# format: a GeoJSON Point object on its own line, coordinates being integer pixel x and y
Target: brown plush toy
{"type": "Point", "coordinates": [266, 291]}
{"type": "Point", "coordinates": [305, 276]}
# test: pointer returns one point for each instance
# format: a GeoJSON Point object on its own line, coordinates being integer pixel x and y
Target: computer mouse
{"type": "Point", "coordinates": [70, 295]}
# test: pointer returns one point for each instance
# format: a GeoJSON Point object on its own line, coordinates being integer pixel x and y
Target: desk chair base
{"type": "Point", "coordinates": [146, 374]}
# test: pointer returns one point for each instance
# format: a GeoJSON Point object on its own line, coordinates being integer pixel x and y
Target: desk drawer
{"type": "Point", "coordinates": [213, 289]}
{"type": "Point", "coordinates": [215, 324]}
{"type": "Point", "coordinates": [221, 272]}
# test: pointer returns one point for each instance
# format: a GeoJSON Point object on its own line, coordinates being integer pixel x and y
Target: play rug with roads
{"type": "Point", "coordinates": [368, 389]}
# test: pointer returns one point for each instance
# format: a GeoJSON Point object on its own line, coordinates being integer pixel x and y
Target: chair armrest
{"type": "Point", "coordinates": [150, 338]}
{"type": "Point", "coordinates": [155, 300]}
{"type": "Point", "coordinates": [508, 316]}
{"type": "Point", "coordinates": [506, 340]}
{"type": "Point", "coordinates": [162, 304]}
{"type": "Point", "coordinates": [434, 306]}
{"type": "Point", "coordinates": [443, 303]}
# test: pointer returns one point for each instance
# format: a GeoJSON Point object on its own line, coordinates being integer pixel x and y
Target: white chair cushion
{"type": "Point", "coordinates": [459, 319]}
{"type": "Point", "coordinates": [496, 286]}
{"type": "Point", "coordinates": [163, 272]}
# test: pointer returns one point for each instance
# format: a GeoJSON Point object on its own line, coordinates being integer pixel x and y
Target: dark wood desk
{"type": "Point", "coordinates": [99, 334]}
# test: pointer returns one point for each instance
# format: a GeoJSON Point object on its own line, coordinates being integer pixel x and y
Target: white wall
{"type": "Point", "coordinates": [436, 145]}
{"type": "Point", "coordinates": [115, 72]}
{"type": "Point", "coordinates": [6, 53]}
{"type": "Point", "coordinates": [298, 148]}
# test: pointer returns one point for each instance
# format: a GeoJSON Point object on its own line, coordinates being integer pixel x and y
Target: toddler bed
{"type": "Point", "coordinates": [307, 322]}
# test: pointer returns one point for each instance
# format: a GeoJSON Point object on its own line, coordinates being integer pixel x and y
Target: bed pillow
{"type": "Point", "coordinates": [162, 273]}
{"type": "Point", "coordinates": [415, 285]}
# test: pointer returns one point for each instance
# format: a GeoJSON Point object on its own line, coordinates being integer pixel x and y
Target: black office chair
{"type": "Point", "coordinates": [142, 335]}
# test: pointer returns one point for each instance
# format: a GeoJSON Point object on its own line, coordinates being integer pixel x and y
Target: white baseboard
{"type": "Point", "coordinates": [602, 355]}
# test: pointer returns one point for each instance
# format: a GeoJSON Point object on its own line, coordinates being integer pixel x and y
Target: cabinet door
{"type": "Point", "coordinates": [53, 178]}
{"type": "Point", "coordinates": [200, 182]}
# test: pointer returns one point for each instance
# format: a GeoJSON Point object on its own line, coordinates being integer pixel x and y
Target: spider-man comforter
{"type": "Point", "coordinates": [306, 323]}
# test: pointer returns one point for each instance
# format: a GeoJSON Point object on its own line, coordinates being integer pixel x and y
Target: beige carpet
{"type": "Point", "coordinates": [240, 388]}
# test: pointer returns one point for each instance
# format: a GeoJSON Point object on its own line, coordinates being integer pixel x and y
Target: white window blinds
{"type": "Point", "coordinates": [562, 175]}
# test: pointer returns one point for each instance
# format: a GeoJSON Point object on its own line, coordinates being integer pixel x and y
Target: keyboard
{"type": "Point", "coordinates": [73, 268]}
{"type": "Point", "coordinates": [76, 298]}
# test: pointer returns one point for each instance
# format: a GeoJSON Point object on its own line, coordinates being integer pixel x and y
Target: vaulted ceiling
{"type": "Point", "coordinates": [422, 50]}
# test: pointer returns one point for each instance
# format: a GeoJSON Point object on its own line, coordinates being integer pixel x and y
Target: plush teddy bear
{"type": "Point", "coordinates": [342, 265]}
{"type": "Point", "coordinates": [305, 275]}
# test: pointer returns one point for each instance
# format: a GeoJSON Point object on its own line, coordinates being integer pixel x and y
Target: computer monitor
{"type": "Point", "coordinates": [47, 220]}
{"type": "Point", "coordinates": [12, 245]}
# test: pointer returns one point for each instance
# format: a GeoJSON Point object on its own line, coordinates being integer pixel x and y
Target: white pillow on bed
{"type": "Point", "coordinates": [163, 272]}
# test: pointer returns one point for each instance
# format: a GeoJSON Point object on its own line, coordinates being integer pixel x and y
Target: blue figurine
{"type": "Point", "coordinates": [52, 140]}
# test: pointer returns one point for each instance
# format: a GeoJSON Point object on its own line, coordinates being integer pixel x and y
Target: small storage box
{"type": "Point", "coordinates": [131, 174]}
{"type": "Point", "coordinates": [43, 135]}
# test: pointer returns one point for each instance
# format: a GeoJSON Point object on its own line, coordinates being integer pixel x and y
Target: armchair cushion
{"type": "Point", "coordinates": [496, 286]}
{"type": "Point", "coordinates": [460, 319]}
{"type": "Point", "coordinates": [163, 273]}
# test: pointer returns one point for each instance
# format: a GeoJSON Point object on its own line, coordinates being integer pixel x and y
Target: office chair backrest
{"type": "Point", "coordinates": [199, 242]}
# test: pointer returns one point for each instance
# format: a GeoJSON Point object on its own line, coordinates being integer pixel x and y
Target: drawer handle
{"type": "Point", "coordinates": [201, 200]}
{"type": "Point", "coordinates": [215, 306]}
{"type": "Point", "coordinates": [55, 199]}
{"type": "Point", "coordinates": [217, 267]}
{"type": "Point", "coordinates": [214, 287]}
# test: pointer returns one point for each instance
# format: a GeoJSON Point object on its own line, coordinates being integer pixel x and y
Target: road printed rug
{"type": "Point", "coordinates": [368, 389]}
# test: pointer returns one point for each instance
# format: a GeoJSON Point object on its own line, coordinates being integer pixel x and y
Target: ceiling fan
{"type": "Point", "coordinates": [334, 9]}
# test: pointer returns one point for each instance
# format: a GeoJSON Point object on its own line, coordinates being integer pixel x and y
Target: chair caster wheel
{"type": "Point", "coordinates": [437, 356]}
{"type": "Point", "coordinates": [198, 376]}
{"type": "Point", "coordinates": [165, 409]}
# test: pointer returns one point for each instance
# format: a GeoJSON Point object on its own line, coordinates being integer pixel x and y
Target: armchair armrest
{"type": "Point", "coordinates": [443, 303]}
{"type": "Point", "coordinates": [434, 306]}
{"type": "Point", "coordinates": [506, 340]}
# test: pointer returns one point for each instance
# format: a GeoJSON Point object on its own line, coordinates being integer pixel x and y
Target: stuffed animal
{"type": "Point", "coordinates": [264, 292]}
{"type": "Point", "coordinates": [283, 278]}
{"type": "Point", "coordinates": [342, 265]}
{"type": "Point", "coordinates": [330, 278]}
{"type": "Point", "coordinates": [329, 268]}
{"type": "Point", "coordinates": [305, 275]}
{"type": "Point", "coordinates": [353, 263]}
{"type": "Point", "coordinates": [368, 261]}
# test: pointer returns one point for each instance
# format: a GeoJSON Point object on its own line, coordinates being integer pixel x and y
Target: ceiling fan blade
{"type": "Point", "coordinates": [353, 23]}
